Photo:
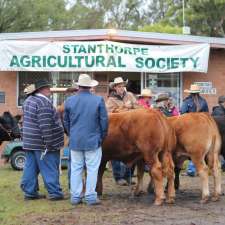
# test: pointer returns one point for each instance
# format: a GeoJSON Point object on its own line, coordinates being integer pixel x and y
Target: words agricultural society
{"type": "Point", "coordinates": [102, 56]}
{"type": "Point", "coordinates": [100, 61]}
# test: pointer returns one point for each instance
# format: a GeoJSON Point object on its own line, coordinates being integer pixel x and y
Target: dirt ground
{"type": "Point", "coordinates": [120, 208]}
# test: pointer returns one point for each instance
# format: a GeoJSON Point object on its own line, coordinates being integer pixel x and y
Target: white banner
{"type": "Point", "coordinates": [102, 56]}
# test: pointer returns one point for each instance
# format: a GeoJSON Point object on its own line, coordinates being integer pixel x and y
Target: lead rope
{"type": "Point", "coordinates": [8, 132]}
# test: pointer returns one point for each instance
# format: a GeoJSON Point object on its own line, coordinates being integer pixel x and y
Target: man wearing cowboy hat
{"type": "Point", "coordinates": [193, 103]}
{"type": "Point", "coordinates": [43, 136]}
{"type": "Point", "coordinates": [86, 121]}
{"type": "Point", "coordinates": [121, 100]}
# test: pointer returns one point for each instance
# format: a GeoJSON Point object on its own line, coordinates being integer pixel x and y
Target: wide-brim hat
{"type": "Point", "coordinates": [85, 80]}
{"type": "Point", "coordinates": [36, 86]}
{"type": "Point", "coordinates": [118, 80]}
{"type": "Point", "coordinates": [162, 97]}
{"type": "Point", "coordinates": [29, 89]}
{"type": "Point", "coordinates": [146, 93]}
{"type": "Point", "coordinates": [194, 88]}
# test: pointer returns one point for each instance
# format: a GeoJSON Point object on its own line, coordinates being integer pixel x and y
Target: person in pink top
{"type": "Point", "coordinates": [145, 98]}
{"type": "Point", "coordinates": [174, 110]}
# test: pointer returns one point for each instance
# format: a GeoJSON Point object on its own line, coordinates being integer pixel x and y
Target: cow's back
{"type": "Point", "coordinates": [133, 131]}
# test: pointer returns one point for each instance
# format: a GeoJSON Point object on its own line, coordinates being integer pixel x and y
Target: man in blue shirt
{"type": "Point", "coordinates": [86, 121]}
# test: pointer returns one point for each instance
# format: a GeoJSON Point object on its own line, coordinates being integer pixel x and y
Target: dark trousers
{"type": "Point", "coordinates": [121, 171]}
{"type": "Point", "coordinates": [49, 169]}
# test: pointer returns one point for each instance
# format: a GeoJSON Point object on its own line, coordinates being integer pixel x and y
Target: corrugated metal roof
{"type": "Point", "coordinates": [119, 35]}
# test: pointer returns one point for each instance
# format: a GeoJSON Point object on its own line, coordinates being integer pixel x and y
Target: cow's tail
{"type": "Point", "coordinates": [213, 158]}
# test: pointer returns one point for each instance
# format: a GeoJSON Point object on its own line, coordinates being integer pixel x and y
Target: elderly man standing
{"type": "Point", "coordinates": [121, 100]}
{"type": "Point", "coordinates": [43, 136]}
{"type": "Point", "coordinates": [86, 121]}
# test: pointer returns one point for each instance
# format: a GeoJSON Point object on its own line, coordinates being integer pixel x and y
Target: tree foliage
{"type": "Point", "coordinates": [162, 28]}
{"type": "Point", "coordinates": [205, 17]}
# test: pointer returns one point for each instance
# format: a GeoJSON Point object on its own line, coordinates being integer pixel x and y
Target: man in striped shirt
{"type": "Point", "coordinates": [43, 136]}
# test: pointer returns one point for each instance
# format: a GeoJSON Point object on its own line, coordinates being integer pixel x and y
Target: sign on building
{"type": "Point", "coordinates": [102, 56]}
{"type": "Point", "coordinates": [206, 88]}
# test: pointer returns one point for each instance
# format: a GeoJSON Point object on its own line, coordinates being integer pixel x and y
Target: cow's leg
{"type": "Point", "coordinates": [101, 171]}
{"type": "Point", "coordinates": [157, 177]}
{"type": "Point", "coordinates": [202, 170]}
{"type": "Point", "coordinates": [177, 178]}
{"type": "Point", "coordinates": [140, 174]}
{"type": "Point", "coordinates": [214, 165]}
{"type": "Point", "coordinates": [168, 170]}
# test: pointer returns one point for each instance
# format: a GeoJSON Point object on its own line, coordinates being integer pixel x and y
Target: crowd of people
{"type": "Point", "coordinates": [86, 123]}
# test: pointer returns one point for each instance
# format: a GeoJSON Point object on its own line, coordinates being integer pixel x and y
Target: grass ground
{"type": "Point", "coordinates": [118, 206]}
{"type": "Point", "coordinates": [13, 208]}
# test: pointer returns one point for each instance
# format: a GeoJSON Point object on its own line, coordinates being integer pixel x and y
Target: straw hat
{"type": "Point", "coordinates": [29, 89]}
{"type": "Point", "coordinates": [118, 80]}
{"type": "Point", "coordinates": [85, 80]}
{"type": "Point", "coordinates": [146, 93]}
{"type": "Point", "coordinates": [194, 88]}
{"type": "Point", "coordinates": [162, 97]}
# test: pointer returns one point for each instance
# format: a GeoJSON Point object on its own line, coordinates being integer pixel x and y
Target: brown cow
{"type": "Point", "coordinates": [141, 134]}
{"type": "Point", "coordinates": [198, 138]}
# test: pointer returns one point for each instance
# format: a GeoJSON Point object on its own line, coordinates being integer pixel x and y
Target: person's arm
{"type": "Point", "coordinates": [103, 119]}
{"type": "Point", "coordinates": [184, 108]}
{"type": "Point", "coordinates": [48, 121]}
{"type": "Point", "coordinates": [206, 108]}
{"type": "Point", "coordinates": [132, 102]}
{"type": "Point", "coordinates": [66, 118]}
{"type": "Point", "coordinates": [111, 105]}
{"type": "Point", "coordinates": [217, 111]}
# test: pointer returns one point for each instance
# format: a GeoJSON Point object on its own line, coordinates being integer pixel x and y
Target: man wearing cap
{"type": "Point", "coordinates": [121, 100]}
{"type": "Point", "coordinates": [43, 136]}
{"type": "Point", "coordinates": [86, 121]}
{"type": "Point", "coordinates": [193, 103]}
{"type": "Point", "coordinates": [220, 109]}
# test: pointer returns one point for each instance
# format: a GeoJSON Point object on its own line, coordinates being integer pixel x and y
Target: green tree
{"type": "Point", "coordinates": [32, 15]}
{"type": "Point", "coordinates": [162, 28]}
{"type": "Point", "coordinates": [205, 17]}
{"type": "Point", "coordinates": [124, 14]}
{"type": "Point", "coordinates": [86, 14]}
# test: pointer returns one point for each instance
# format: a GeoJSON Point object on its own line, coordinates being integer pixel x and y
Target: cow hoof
{"type": "Point", "coordinates": [158, 202]}
{"type": "Point", "coordinates": [204, 200]}
{"type": "Point", "coordinates": [215, 198]}
{"type": "Point", "coordinates": [170, 200]}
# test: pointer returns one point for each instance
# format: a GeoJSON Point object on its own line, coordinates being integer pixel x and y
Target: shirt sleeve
{"type": "Point", "coordinates": [184, 107]}
{"type": "Point", "coordinates": [51, 130]}
{"type": "Point", "coordinates": [103, 119]}
{"type": "Point", "coordinates": [66, 118]}
{"type": "Point", "coordinates": [111, 105]}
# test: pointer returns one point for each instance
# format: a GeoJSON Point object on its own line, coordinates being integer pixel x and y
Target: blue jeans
{"type": "Point", "coordinates": [80, 159]}
{"type": "Point", "coordinates": [191, 170]}
{"type": "Point", "coordinates": [49, 169]}
{"type": "Point", "coordinates": [121, 171]}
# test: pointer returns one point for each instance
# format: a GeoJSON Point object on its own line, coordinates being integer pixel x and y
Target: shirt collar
{"type": "Point", "coordinates": [41, 95]}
